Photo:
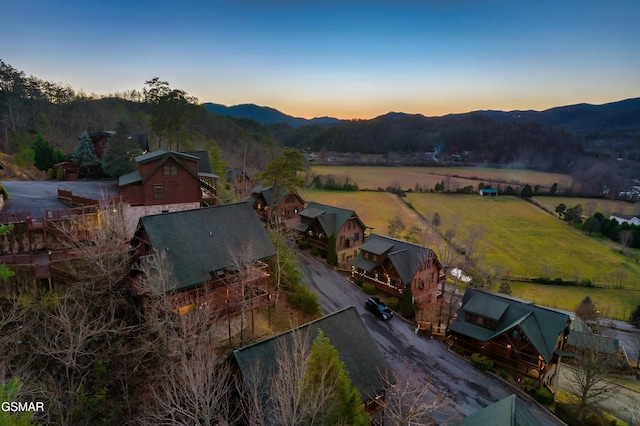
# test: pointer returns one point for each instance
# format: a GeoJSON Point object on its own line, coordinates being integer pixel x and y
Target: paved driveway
{"type": "Point", "coordinates": [467, 388]}
{"type": "Point", "coordinates": [39, 196]}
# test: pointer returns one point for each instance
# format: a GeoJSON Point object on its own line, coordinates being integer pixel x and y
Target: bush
{"type": "Point", "coordinates": [60, 173]}
{"type": "Point", "coordinates": [357, 280]}
{"type": "Point", "coordinates": [503, 374]}
{"type": "Point", "coordinates": [314, 251]}
{"type": "Point", "coordinates": [543, 396]}
{"type": "Point", "coordinates": [393, 303]}
{"type": "Point", "coordinates": [50, 173]}
{"type": "Point", "coordinates": [481, 362]}
{"type": "Point", "coordinates": [4, 192]}
{"type": "Point", "coordinates": [369, 288]}
{"type": "Point", "coordinates": [527, 385]}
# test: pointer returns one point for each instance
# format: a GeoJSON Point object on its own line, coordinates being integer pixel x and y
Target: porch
{"type": "Point", "coordinates": [384, 282]}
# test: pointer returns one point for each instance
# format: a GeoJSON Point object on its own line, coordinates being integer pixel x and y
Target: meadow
{"type": "Point", "coordinates": [613, 303]}
{"type": "Point", "coordinates": [375, 209]}
{"type": "Point", "coordinates": [374, 177]}
{"type": "Point", "coordinates": [590, 205]}
{"type": "Point", "coordinates": [523, 242]}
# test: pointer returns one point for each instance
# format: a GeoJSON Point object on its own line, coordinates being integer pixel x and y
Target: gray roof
{"type": "Point", "coordinates": [346, 331]}
{"type": "Point", "coordinates": [129, 178]}
{"type": "Point", "coordinates": [201, 241]}
{"type": "Point", "coordinates": [510, 411]}
{"type": "Point", "coordinates": [405, 257]}
{"type": "Point", "coordinates": [204, 166]}
{"type": "Point", "coordinates": [161, 153]}
{"type": "Point", "coordinates": [541, 325]}
{"type": "Point", "coordinates": [332, 219]}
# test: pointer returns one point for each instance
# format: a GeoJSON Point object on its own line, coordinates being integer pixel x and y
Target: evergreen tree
{"type": "Point", "coordinates": [344, 405]}
{"type": "Point", "coordinates": [120, 156]}
{"type": "Point", "coordinates": [84, 153]}
{"type": "Point", "coordinates": [332, 255]}
{"type": "Point", "coordinates": [634, 318]}
{"type": "Point", "coordinates": [45, 155]}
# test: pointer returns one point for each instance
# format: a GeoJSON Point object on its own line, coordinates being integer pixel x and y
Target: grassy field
{"type": "Point", "coordinates": [614, 303]}
{"type": "Point", "coordinates": [407, 177]}
{"type": "Point", "coordinates": [521, 240]}
{"type": "Point", "coordinates": [590, 205]}
{"type": "Point", "coordinates": [375, 209]}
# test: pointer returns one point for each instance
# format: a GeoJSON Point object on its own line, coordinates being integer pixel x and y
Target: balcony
{"type": "Point", "coordinates": [382, 282]}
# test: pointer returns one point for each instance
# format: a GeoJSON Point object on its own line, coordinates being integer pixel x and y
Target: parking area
{"type": "Point", "coordinates": [37, 197]}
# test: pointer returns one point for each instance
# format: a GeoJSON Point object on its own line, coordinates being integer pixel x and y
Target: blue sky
{"type": "Point", "coordinates": [348, 59]}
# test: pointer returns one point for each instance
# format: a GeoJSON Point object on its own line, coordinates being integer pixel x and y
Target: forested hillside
{"type": "Point", "coordinates": [170, 117]}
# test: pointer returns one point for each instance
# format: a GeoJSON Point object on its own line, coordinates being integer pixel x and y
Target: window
{"type": "Point", "coordinates": [341, 240]}
{"type": "Point", "coordinates": [158, 192]}
{"type": "Point", "coordinates": [356, 236]}
{"type": "Point", "coordinates": [170, 170]}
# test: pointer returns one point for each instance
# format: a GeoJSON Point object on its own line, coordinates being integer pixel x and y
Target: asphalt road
{"type": "Point", "coordinates": [37, 197]}
{"type": "Point", "coordinates": [466, 388]}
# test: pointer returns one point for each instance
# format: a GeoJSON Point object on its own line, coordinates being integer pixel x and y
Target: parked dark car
{"type": "Point", "coordinates": [378, 308]}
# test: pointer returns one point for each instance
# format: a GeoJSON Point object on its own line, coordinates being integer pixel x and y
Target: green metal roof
{"type": "Point", "coordinates": [510, 411]}
{"type": "Point", "coordinates": [346, 331]}
{"type": "Point", "coordinates": [405, 257]}
{"type": "Point", "coordinates": [161, 153]}
{"type": "Point", "coordinates": [129, 178]}
{"type": "Point", "coordinates": [201, 241]}
{"type": "Point", "coordinates": [204, 166]}
{"type": "Point", "coordinates": [542, 326]}
{"type": "Point", "coordinates": [332, 219]}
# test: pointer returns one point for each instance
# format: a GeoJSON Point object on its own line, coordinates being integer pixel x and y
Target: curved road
{"type": "Point", "coordinates": [466, 388]}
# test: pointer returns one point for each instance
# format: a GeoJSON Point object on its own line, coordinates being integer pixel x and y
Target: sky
{"type": "Point", "coordinates": [345, 59]}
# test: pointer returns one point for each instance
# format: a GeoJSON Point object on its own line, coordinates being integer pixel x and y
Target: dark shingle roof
{"type": "Point", "coordinates": [406, 257]}
{"type": "Point", "coordinates": [198, 242]}
{"type": "Point", "coordinates": [332, 219]}
{"type": "Point", "coordinates": [204, 166]}
{"type": "Point", "coordinates": [161, 153]}
{"type": "Point", "coordinates": [510, 411]}
{"type": "Point", "coordinates": [347, 333]}
{"type": "Point", "coordinates": [541, 325]}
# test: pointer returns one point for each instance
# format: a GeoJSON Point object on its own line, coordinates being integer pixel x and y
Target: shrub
{"type": "Point", "coordinates": [543, 396]}
{"type": "Point", "coordinates": [60, 173]}
{"type": "Point", "coordinates": [527, 385]}
{"type": "Point", "coordinates": [481, 362]}
{"type": "Point", "coordinates": [4, 192]}
{"type": "Point", "coordinates": [314, 251]}
{"type": "Point", "coordinates": [393, 303]}
{"type": "Point", "coordinates": [503, 374]}
{"type": "Point", "coordinates": [51, 173]}
{"type": "Point", "coordinates": [358, 281]}
{"type": "Point", "coordinates": [369, 288]}
{"type": "Point", "coordinates": [302, 245]}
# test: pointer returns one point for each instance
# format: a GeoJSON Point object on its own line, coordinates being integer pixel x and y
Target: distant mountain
{"type": "Point", "coordinates": [621, 114]}
{"type": "Point", "coordinates": [266, 115]}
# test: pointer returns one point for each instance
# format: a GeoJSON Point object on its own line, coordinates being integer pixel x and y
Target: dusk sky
{"type": "Point", "coordinates": [347, 59]}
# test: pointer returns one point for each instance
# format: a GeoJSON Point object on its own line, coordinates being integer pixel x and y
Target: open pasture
{"type": "Point", "coordinates": [590, 205]}
{"type": "Point", "coordinates": [375, 209]}
{"type": "Point", "coordinates": [521, 241]}
{"type": "Point", "coordinates": [373, 177]}
{"type": "Point", "coordinates": [613, 303]}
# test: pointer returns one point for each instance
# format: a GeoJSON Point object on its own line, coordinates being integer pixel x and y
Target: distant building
{"type": "Point", "coordinates": [489, 192]}
{"type": "Point", "coordinates": [625, 218]}
{"type": "Point", "coordinates": [286, 205]}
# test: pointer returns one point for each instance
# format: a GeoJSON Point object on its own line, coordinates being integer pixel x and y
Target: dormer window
{"type": "Point", "coordinates": [481, 321]}
{"type": "Point", "coordinates": [170, 170]}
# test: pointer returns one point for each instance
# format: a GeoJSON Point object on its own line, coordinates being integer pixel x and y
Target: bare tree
{"type": "Point", "coordinates": [98, 246]}
{"type": "Point", "coordinates": [187, 383]}
{"type": "Point", "coordinates": [412, 400]}
{"type": "Point", "coordinates": [594, 357]}
{"type": "Point", "coordinates": [625, 238]}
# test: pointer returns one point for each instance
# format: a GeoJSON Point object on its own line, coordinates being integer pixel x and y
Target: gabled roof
{"type": "Point", "coordinates": [331, 219]}
{"type": "Point", "coordinates": [542, 326]}
{"type": "Point", "coordinates": [160, 156]}
{"type": "Point", "coordinates": [201, 241]}
{"type": "Point", "coordinates": [624, 216]}
{"type": "Point", "coordinates": [347, 333]}
{"type": "Point", "coordinates": [266, 193]}
{"type": "Point", "coordinates": [204, 166]}
{"type": "Point", "coordinates": [510, 411]}
{"type": "Point", "coordinates": [405, 257]}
